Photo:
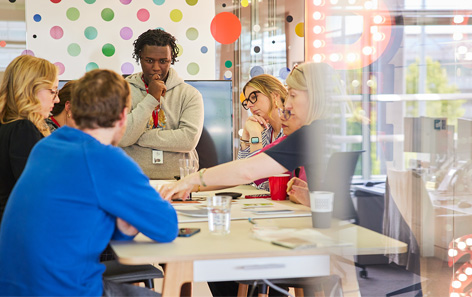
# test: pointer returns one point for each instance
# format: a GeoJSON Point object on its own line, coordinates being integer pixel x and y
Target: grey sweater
{"type": "Point", "coordinates": [183, 107]}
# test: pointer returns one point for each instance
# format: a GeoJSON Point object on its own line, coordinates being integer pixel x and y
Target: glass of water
{"type": "Point", "coordinates": [219, 214]}
{"type": "Point", "coordinates": [187, 166]}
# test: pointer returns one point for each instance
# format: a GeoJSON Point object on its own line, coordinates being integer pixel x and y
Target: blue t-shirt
{"type": "Point", "coordinates": [62, 213]}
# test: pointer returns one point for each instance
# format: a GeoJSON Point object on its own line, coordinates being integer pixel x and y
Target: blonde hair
{"type": "Point", "coordinates": [24, 77]}
{"type": "Point", "coordinates": [268, 85]}
{"type": "Point", "coordinates": [322, 83]}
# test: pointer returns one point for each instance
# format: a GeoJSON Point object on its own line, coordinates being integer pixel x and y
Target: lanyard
{"type": "Point", "coordinates": [55, 122]}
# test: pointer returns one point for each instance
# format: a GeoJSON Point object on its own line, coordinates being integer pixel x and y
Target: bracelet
{"type": "Point", "coordinates": [242, 140]}
{"type": "Point", "coordinates": [201, 177]}
{"type": "Point", "coordinates": [198, 189]}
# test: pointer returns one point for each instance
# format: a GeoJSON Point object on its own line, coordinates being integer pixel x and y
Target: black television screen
{"type": "Point", "coordinates": [216, 144]}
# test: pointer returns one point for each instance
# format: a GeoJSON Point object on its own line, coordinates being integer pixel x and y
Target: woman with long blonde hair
{"type": "Point", "coordinates": [27, 95]}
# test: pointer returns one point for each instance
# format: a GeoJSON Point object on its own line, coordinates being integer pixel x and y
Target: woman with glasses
{"type": "Point", "coordinates": [312, 88]}
{"type": "Point", "coordinates": [61, 114]}
{"type": "Point", "coordinates": [263, 95]}
{"type": "Point", "coordinates": [27, 96]}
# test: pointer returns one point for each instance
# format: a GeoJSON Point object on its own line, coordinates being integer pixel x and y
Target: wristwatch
{"type": "Point", "coordinates": [254, 140]}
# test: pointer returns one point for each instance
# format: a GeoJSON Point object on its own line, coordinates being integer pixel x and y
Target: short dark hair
{"type": "Point", "coordinates": [99, 99]}
{"type": "Point", "coordinates": [156, 37]}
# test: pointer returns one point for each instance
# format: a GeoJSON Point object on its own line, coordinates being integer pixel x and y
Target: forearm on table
{"type": "Point", "coordinates": [240, 171]}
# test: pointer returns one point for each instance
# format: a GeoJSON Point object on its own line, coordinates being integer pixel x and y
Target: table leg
{"type": "Point", "coordinates": [178, 278]}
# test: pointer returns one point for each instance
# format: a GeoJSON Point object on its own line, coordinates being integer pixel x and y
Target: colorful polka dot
{"type": "Point", "coordinates": [12, 1]}
{"type": "Point", "coordinates": [160, 28]}
{"type": "Point", "coordinates": [176, 15]}
{"type": "Point", "coordinates": [37, 18]}
{"type": "Point", "coordinates": [225, 28]}
{"type": "Point", "coordinates": [73, 14]}
{"type": "Point", "coordinates": [193, 68]}
{"type": "Point", "coordinates": [126, 33]}
{"type": "Point", "coordinates": [158, 2]}
{"type": "Point", "coordinates": [300, 29]}
{"type": "Point", "coordinates": [125, 2]}
{"type": "Point", "coordinates": [283, 73]}
{"type": "Point", "coordinates": [228, 64]}
{"type": "Point", "coordinates": [28, 52]}
{"type": "Point", "coordinates": [191, 2]}
{"type": "Point", "coordinates": [56, 32]}
{"type": "Point", "coordinates": [204, 49]}
{"type": "Point", "coordinates": [90, 33]}
{"type": "Point", "coordinates": [143, 15]}
{"type": "Point", "coordinates": [34, 35]}
{"type": "Point", "coordinates": [3, 43]}
{"type": "Point", "coordinates": [244, 3]}
{"type": "Point", "coordinates": [55, 1]}
{"type": "Point", "coordinates": [256, 70]}
{"type": "Point", "coordinates": [91, 66]}
{"type": "Point", "coordinates": [107, 14]}
{"type": "Point", "coordinates": [228, 75]}
{"type": "Point", "coordinates": [60, 67]}
{"type": "Point", "coordinates": [108, 50]}
{"type": "Point", "coordinates": [257, 49]}
{"type": "Point", "coordinates": [256, 28]}
{"type": "Point", "coordinates": [90, 1]}
{"type": "Point", "coordinates": [181, 50]}
{"type": "Point", "coordinates": [74, 49]}
{"type": "Point", "coordinates": [127, 68]}
{"type": "Point", "coordinates": [192, 33]}
{"type": "Point", "coordinates": [289, 18]}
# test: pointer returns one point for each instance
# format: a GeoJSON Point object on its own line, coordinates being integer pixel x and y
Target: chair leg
{"type": "Point", "coordinates": [242, 290]}
{"type": "Point", "coordinates": [149, 283]}
{"type": "Point", "coordinates": [263, 290]}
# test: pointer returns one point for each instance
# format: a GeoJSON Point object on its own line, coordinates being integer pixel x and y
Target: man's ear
{"type": "Point", "coordinates": [123, 117]}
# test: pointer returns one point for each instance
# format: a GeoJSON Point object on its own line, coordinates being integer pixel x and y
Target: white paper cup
{"type": "Point", "coordinates": [321, 204]}
{"type": "Point", "coordinates": [219, 214]}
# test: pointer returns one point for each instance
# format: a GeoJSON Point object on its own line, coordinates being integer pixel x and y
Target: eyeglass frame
{"type": "Point", "coordinates": [245, 101]}
{"type": "Point", "coordinates": [55, 92]}
{"type": "Point", "coordinates": [284, 114]}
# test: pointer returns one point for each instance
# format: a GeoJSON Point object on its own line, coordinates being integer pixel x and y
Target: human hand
{"type": "Point", "coordinates": [254, 127]}
{"type": "Point", "coordinates": [157, 87]}
{"type": "Point", "coordinates": [180, 189]}
{"type": "Point", "coordinates": [298, 191]}
{"type": "Point", "coordinates": [126, 228]}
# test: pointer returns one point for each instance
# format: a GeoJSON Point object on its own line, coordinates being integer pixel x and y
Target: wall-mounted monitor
{"type": "Point", "coordinates": [216, 144]}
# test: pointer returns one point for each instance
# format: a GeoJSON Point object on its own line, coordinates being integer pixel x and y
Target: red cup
{"type": "Point", "coordinates": [278, 186]}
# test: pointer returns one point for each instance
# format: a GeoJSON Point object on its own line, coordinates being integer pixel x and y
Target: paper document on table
{"type": "Point", "coordinates": [296, 238]}
{"type": "Point", "coordinates": [263, 206]}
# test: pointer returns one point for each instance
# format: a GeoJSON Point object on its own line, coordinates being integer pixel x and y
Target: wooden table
{"type": "Point", "coordinates": [237, 256]}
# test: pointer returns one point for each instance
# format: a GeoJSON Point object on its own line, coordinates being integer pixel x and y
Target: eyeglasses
{"type": "Point", "coordinates": [295, 68]}
{"type": "Point", "coordinates": [54, 92]}
{"type": "Point", "coordinates": [284, 114]}
{"type": "Point", "coordinates": [251, 98]}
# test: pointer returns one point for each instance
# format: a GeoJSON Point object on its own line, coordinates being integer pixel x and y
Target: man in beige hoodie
{"type": "Point", "coordinates": [166, 117]}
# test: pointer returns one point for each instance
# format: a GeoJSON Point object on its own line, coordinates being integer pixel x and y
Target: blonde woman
{"type": "Point", "coordinates": [310, 103]}
{"type": "Point", "coordinates": [263, 95]}
{"type": "Point", "coordinates": [27, 96]}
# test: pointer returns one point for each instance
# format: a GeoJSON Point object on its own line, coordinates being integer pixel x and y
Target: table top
{"type": "Point", "coordinates": [240, 243]}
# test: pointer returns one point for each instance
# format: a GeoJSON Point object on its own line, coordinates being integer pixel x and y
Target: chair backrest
{"type": "Point", "coordinates": [339, 172]}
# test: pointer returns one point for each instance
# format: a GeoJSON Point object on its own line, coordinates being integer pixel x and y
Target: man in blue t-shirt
{"type": "Point", "coordinates": [77, 192]}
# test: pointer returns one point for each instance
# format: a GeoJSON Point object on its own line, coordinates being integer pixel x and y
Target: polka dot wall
{"type": "Point", "coordinates": [82, 35]}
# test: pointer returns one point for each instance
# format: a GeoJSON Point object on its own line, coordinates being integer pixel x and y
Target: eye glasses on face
{"type": "Point", "coordinates": [54, 92]}
{"type": "Point", "coordinates": [251, 98]}
{"type": "Point", "coordinates": [284, 114]}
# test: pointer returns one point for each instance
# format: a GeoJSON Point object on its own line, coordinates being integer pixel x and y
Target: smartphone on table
{"type": "Point", "coordinates": [187, 232]}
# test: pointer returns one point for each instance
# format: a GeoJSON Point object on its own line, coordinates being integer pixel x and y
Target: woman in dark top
{"type": "Point", "coordinates": [311, 102]}
{"type": "Point", "coordinates": [27, 95]}
{"type": "Point", "coordinates": [61, 114]}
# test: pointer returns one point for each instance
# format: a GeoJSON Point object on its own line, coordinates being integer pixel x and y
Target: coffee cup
{"type": "Point", "coordinates": [321, 203]}
{"type": "Point", "coordinates": [278, 186]}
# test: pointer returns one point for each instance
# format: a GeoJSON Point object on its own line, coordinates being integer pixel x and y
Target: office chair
{"type": "Point", "coordinates": [338, 177]}
{"type": "Point", "coordinates": [131, 273]}
{"type": "Point", "coordinates": [114, 271]}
